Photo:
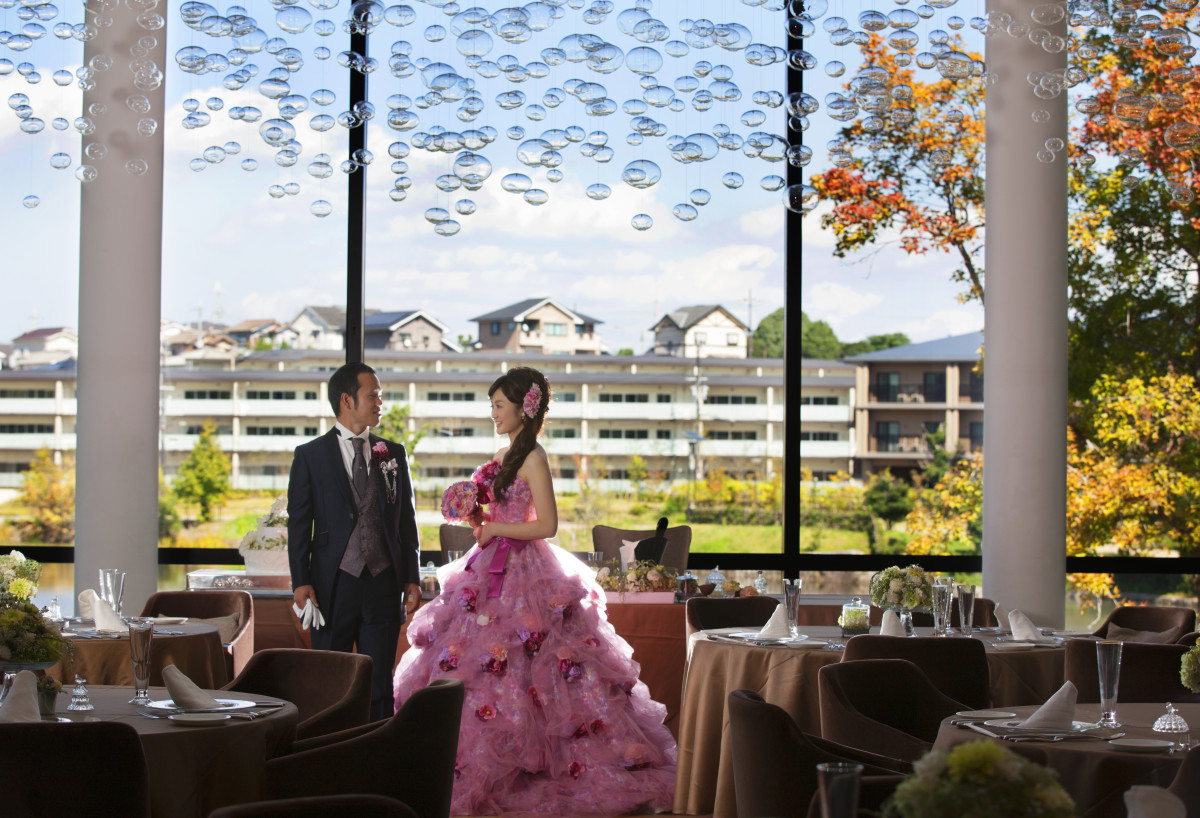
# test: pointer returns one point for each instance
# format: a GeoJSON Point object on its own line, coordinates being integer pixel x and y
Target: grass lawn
{"type": "Point", "coordinates": [833, 539]}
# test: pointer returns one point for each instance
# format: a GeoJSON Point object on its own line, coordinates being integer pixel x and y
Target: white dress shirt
{"type": "Point", "coordinates": [347, 444]}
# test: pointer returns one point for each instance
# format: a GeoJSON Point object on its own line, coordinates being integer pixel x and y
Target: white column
{"type": "Point", "coordinates": [120, 259]}
{"type": "Point", "coordinates": [1025, 353]}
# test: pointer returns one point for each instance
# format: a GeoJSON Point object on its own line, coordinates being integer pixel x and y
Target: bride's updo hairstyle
{"type": "Point", "coordinates": [516, 384]}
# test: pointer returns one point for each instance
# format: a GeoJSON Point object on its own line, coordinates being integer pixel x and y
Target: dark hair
{"type": "Point", "coordinates": [515, 384]}
{"type": "Point", "coordinates": [345, 382]}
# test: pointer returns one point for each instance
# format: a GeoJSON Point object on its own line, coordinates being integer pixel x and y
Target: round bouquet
{"type": "Point", "coordinates": [460, 501]}
{"type": "Point", "coordinates": [646, 575]}
{"type": "Point", "coordinates": [983, 778]}
{"type": "Point", "coordinates": [25, 636]}
{"type": "Point", "coordinates": [18, 578]}
{"type": "Point", "coordinates": [1189, 669]}
{"type": "Point", "coordinates": [907, 588]}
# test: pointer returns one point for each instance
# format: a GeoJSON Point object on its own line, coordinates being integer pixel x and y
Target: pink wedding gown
{"type": "Point", "coordinates": [555, 720]}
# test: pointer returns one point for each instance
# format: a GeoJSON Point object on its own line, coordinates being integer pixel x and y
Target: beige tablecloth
{"type": "Point", "coordinates": [1095, 773]}
{"type": "Point", "coordinates": [105, 661]}
{"type": "Point", "coordinates": [788, 677]}
{"type": "Point", "coordinates": [194, 770]}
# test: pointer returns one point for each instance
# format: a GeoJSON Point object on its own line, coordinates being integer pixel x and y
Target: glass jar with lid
{"type": "Point", "coordinates": [855, 618]}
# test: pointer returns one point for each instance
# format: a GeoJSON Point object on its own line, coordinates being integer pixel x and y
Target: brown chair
{"type": "Point", "coordinates": [455, 537]}
{"type": "Point", "coordinates": [774, 762]}
{"type": "Point", "coordinates": [112, 778]}
{"type": "Point", "coordinates": [212, 605]}
{"type": "Point", "coordinates": [957, 667]}
{"type": "Point", "coordinates": [1187, 781]}
{"type": "Point", "coordinates": [331, 689]}
{"type": "Point", "coordinates": [409, 757]}
{"type": "Point", "coordinates": [1149, 672]}
{"type": "Point", "coordinates": [323, 806]}
{"type": "Point", "coordinates": [1188, 639]}
{"type": "Point", "coordinates": [1162, 624]}
{"type": "Point", "coordinates": [704, 613]}
{"type": "Point", "coordinates": [883, 706]}
{"type": "Point", "coordinates": [608, 541]}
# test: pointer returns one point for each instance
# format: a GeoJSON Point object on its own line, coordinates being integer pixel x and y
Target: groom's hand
{"type": "Point", "coordinates": [412, 597]}
{"type": "Point", "coordinates": [304, 593]}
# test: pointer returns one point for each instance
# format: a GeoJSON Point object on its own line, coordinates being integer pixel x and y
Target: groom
{"type": "Point", "coordinates": [352, 532]}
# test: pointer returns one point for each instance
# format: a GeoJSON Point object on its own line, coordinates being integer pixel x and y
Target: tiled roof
{"type": "Point", "coordinates": [954, 349]}
{"type": "Point", "coordinates": [518, 310]}
{"type": "Point", "coordinates": [45, 332]}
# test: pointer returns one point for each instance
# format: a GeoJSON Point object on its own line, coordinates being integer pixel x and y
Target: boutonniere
{"type": "Point", "coordinates": [388, 467]}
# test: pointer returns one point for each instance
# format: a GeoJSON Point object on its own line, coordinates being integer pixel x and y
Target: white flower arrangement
{"type": "Point", "coordinates": [1189, 669]}
{"type": "Point", "coordinates": [18, 578]}
{"type": "Point", "coordinates": [895, 587]}
{"type": "Point", "coordinates": [270, 533]}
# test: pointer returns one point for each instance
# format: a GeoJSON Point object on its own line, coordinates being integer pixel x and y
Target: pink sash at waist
{"type": "Point", "coordinates": [499, 558]}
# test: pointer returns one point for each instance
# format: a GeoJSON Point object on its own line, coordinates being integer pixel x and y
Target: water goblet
{"type": "Point", "coordinates": [1108, 663]}
{"type": "Point", "coordinates": [791, 601]}
{"type": "Point", "coordinates": [966, 608]}
{"type": "Point", "coordinates": [941, 595]}
{"type": "Point", "coordinates": [112, 587]}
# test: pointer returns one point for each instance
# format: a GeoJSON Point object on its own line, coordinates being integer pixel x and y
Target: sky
{"type": "Point", "coordinates": [232, 251]}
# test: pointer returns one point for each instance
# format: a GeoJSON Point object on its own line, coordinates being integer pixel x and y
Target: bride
{"type": "Point", "coordinates": [555, 720]}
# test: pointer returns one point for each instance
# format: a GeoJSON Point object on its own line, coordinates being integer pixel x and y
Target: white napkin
{"type": "Point", "coordinates": [87, 600]}
{"type": "Point", "coordinates": [1001, 614]}
{"type": "Point", "coordinates": [777, 626]}
{"type": "Point", "coordinates": [627, 557]}
{"type": "Point", "coordinates": [106, 618]}
{"type": "Point", "coordinates": [1153, 802]}
{"type": "Point", "coordinates": [1058, 712]}
{"type": "Point", "coordinates": [21, 703]}
{"type": "Point", "coordinates": [1024, 630]}
{"type": "Point", "coordinates": [184, 692]}
{"type": "Point", "coordinates": [310, 615]}
{"type": "Point", "coordinates": [891, 624]}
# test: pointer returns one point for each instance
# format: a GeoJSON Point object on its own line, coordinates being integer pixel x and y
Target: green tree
{"type": "Point", "coordinates": [169, 523]}
{"type": "Point", "coordinates": [887, 498]}
{"type": "Point", "coordinates": [625, 351]}
{"type": "Point", "coordinates": [942, 461]}
{"type": "Point", "coordinates": [203, 478]}
{"type": "Point", "coordinates": [817, 340]}
{"type": "Point", "coordinates": [638, 474]}
{"type": "Point", "coordinates": [874, 342]}
{"type": "Point", "coordinates": [48, 494]}
{"type": "Point", "coordinates": [394, 426]}
{"type": "Point", "coordinates": [767, 340]}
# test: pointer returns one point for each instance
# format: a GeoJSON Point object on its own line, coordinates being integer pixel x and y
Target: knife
{"type": "Point", "coordinates": [982, 730]}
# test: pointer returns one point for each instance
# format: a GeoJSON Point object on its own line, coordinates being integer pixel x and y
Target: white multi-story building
{"type": "Point", "coordinates": [606, 409]}
{"type": "Point", "coordinates": [827, 441]}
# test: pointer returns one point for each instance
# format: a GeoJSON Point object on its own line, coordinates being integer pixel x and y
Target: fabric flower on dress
{"type": "Point", "coordinates": [466, 599]}
{"type": "Point", "coordinates": [576, 769]}
{"type": "Point", "coordinates": [533, 694]}
{"type": "Point", "coordinates": [485, 713]}
{"type": "Point", "coordinates": [495, 661]}
{"type": "Point", "coordinates": [597, 726]}
{"type": "Point", "coordinates": [634, 757]}
{"type": "Point", "coordinates": [448, 660]}
{"type": "Point", "coordinates": [581, 731]}
{"type": "Point", "coordinates": [533, 400]}
{"type": "Point", "coordinates": [531, 640]}
{"type": "Point", "coordinates": [570, 669]}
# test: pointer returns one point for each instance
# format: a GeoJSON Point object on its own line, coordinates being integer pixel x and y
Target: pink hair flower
{"type": "Point", "coordinates": [533, 400]}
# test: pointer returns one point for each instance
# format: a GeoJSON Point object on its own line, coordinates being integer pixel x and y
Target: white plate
{"type": "Point", "coordinates": [752, 636]}
{"type": "Point", "coordinates": [168, 620]}
{"type": "Point", "coordinates": [807, 644]}
{"type": "Point", "coordinates": [1016, 724]}
{"type": "Point", "coordinates": [222, 704]}
{"type": "Point", "coordinates": [1014, 646]}
{"type": "Point", "coordinates": [199, 719]}
{"type": "Point", "coordinates": [1141, 745]}
{"type": "Point", "coordinates": [986, 714]}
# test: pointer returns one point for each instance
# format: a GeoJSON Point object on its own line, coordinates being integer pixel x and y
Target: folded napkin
{"type": "Point", "coordinates": [106, 618]}
{"type": "Point", "coordinates": [87, 599]}
{"type": "Point", "coordinates": [777, 626]}
{"type": "Point", "coordinates": [1153, 802]}
{"type": "Point", "coordinates": [184, 692]}
{"type": "Point", "coordinates": [1024, 630]}
{"type": "Point", "coordinates": [21, 703]}
{"type": "Point", "coordinates": [310, 615]}
{"type": "Point", "coordinates": [1001, 614]}
{"type": "Point", "coordinates": [627, 557]}
{"type": "Point", "coordinates": [1058, 712]}
{"type": "Point", "coordinates": [891, 624]}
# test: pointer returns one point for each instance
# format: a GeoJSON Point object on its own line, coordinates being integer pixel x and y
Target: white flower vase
{"type": "Point", "coordinates": [266, 562]}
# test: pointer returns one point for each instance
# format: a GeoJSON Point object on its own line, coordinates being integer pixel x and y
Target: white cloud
{"type": "Point", "coordinates": [837, 303]}
{"type": "Point", "coordinates": [943, 323]}
{"type": "Point", "coordinates": [764, 223]}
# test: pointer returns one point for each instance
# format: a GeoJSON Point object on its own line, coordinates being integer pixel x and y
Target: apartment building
{"type": "Point", "coordinates": [606, 409]}
{"type": "Point", "coordinates": [827, 440]}
{"type": "Point", "coordinates": [905, 392]}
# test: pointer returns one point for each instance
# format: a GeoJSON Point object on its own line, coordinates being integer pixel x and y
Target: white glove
{"type": "Point", "coordinates": [310, 615]}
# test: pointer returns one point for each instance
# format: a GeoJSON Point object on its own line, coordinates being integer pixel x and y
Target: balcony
{"type": "Point", "coordinates": [755, 412]}
{"type": "Point", "coordinates": [826, 448]}
{"type": "Point", "coordinates": [279, 408]}
{"type": "Point", "coordinates": [900, 448]}
{"type": "Point", "coordinates": [430, 409]}
{"type": "Point", "coordinates": [826, 414]}
{"type": "Point", "coordinates": [40, 407]}
{"type": "Point", "coordinates": [33, 441]}
{"type": "Point", "coordinates": [179, 408]}
{"type": "Point", "coordinates": [483, 445]}
{"type": "Point", "coordinates": [907, 394]}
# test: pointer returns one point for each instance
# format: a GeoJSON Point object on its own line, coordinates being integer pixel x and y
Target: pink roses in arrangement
{"type": "Point", "coordinates": [465, 499]}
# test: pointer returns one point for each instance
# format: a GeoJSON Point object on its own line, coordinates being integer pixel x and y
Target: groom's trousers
{"type": "Point", "coordinates": [366, 615]}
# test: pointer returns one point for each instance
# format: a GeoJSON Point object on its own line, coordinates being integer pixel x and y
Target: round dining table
{"type": "Point", "coordinates": [1094, 772]}
{"type": "Point", "coordinates": [787, 676]}
{"type": "Point", "coordinates": [195, 769]}
{"type": "Point", "coordinates": [102, 658]}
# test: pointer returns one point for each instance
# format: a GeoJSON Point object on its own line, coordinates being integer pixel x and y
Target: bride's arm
{"type": "Point", "coordinates": [536, 472]}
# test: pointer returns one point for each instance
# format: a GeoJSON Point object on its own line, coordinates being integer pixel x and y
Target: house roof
{"type": "Point", "coordinates": [45, 332]}
{"type": "Point", "coordinates": [685, 317]}
{"type": "Point", "coordinates": [252, 325]}
{"type": "Point", "coordinates": [518, 312]}
{"type": "Point", "coordinates": [954, 349]}
{"type": "Point", "coordinates": [824, 363]}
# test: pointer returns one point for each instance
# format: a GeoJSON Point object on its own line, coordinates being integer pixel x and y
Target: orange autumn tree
{"type": "Point", "coordinates": [911, 163]}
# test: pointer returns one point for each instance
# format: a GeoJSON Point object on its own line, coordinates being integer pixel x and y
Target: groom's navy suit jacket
{"type": "Point", "coordinates": [322, 512]}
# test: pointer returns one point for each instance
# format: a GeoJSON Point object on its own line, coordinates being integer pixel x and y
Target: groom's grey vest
{"type": "Point", "coordinates": [366, 548]}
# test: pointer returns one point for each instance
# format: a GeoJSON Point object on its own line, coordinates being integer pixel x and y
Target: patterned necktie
{"type": "Point", "coordinates": [360, 465]}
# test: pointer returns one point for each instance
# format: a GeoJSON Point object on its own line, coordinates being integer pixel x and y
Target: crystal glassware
{"type": "Point", "coordinates": [80, 699]}
{"type": "Point", "coordinates": [1108, 663]}
{"type": "Point", "coordinates": [1173, 724]}
{"type": "Point", "coordinates": [941, 594]}
{"type": "Point", "coordinates": [791, 602]}
{"type": "Point", "coordinates": [112, 587]}
{"type": "Point", "coordinates": [141, 633]}
{"type": "Point", "coordinates": [966, 608]}
{"type": "Point", "coordinates": [837, 784]}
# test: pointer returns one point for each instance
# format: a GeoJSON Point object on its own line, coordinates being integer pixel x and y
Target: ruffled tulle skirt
{"type": "Point", "coordinates": [555, 720]}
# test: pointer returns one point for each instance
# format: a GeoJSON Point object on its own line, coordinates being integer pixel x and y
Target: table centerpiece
{"type": "Point", "coordinates": [642, 582]}
{"type": "Point", "coordinates": [264, 548]}
{"type": "Point", "coordinates": [904, 590]}
{"type": "Point", "coordinates": [27, 640]}
{"type": "Point", "coordinates": [1189, 669]}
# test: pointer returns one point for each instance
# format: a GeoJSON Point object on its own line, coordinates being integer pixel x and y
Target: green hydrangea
{"type": "Point", "coordinates": [1189, 669]}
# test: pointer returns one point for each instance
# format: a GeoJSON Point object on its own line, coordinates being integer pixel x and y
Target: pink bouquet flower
{"type": "Point", "coordinates": [483, 478]}
{"type": "Point", "coordinates": [460, 501]}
